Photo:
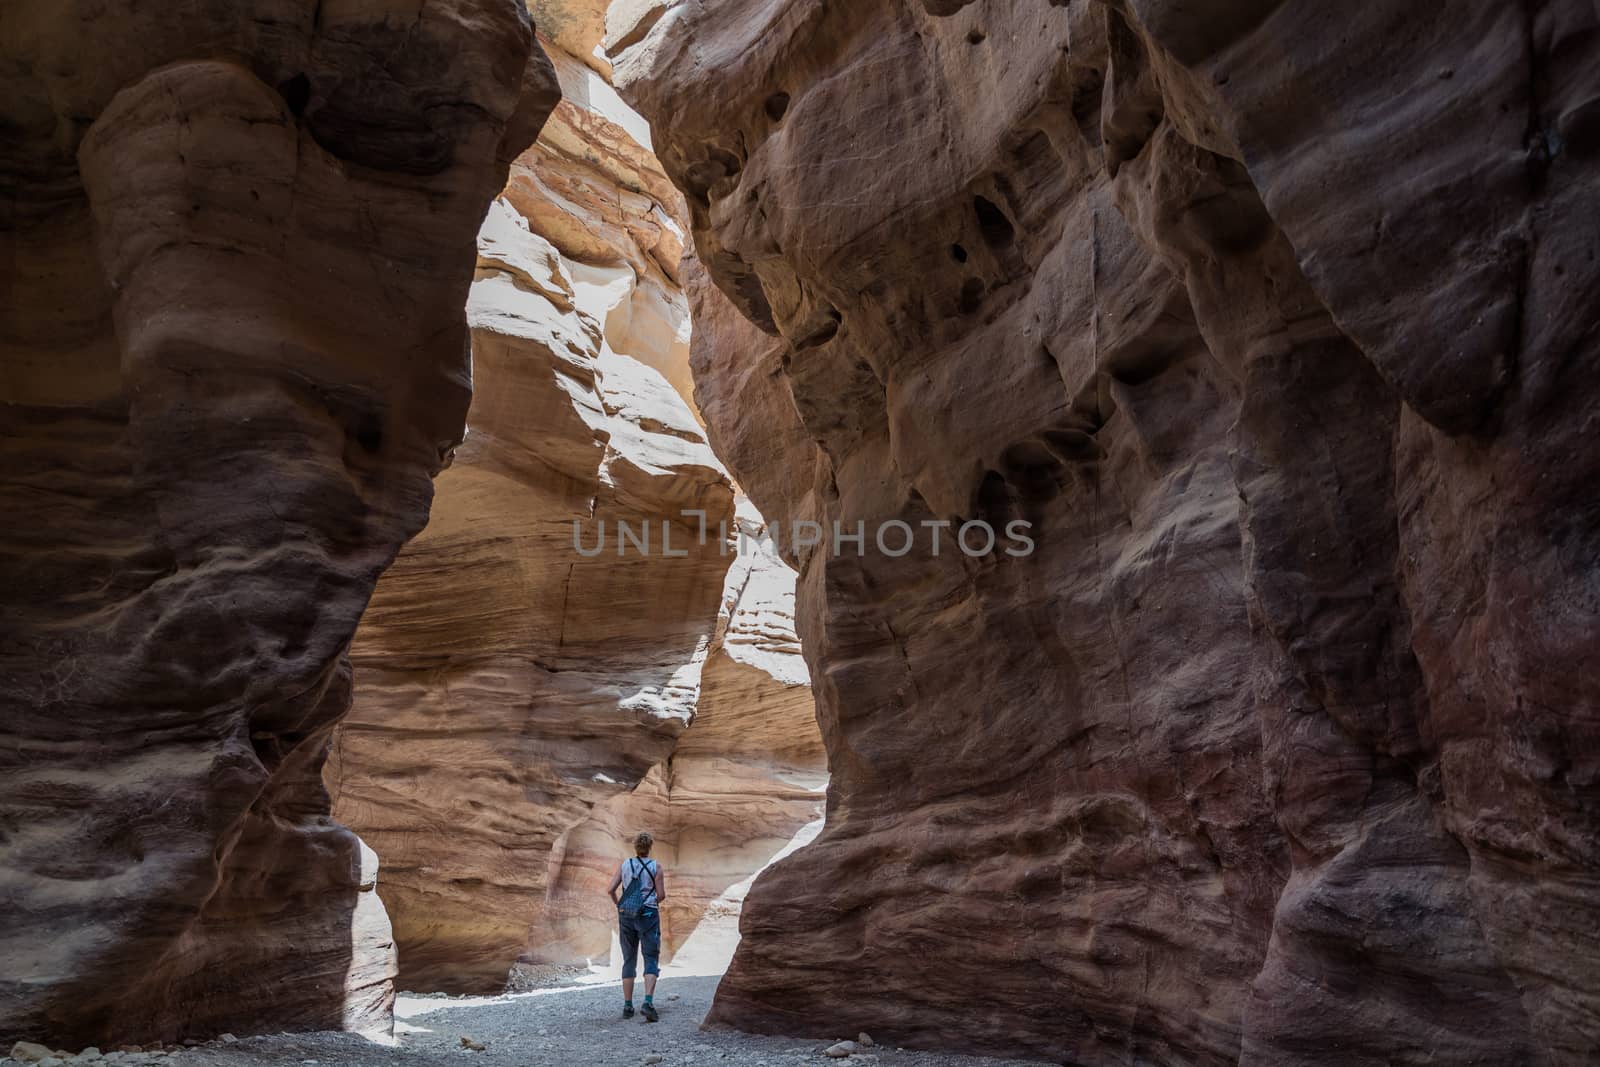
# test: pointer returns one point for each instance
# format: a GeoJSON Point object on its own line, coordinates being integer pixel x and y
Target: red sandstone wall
{"type": "Point", "coordinates": [1277, 319]}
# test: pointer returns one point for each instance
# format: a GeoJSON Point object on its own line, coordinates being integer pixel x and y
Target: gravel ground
{"type": "Point", "coordinates": [572, 1026]}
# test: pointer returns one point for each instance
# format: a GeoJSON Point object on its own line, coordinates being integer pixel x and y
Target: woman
{"type": "Point", "coordinates": [644, 889]}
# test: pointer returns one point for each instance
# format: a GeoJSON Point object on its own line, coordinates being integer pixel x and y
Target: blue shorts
{"type": "Point", "coordinates": [636, 932]}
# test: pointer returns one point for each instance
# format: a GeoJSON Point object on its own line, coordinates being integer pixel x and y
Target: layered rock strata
{"type": "Point", "coordinates": [1277, 323]}
{"type": "Point", "coordinates": [740, 784]}
{"type": "Point", "coordinates": [238, 242]}
{"type": "Point", "coordinates": [523, 662]}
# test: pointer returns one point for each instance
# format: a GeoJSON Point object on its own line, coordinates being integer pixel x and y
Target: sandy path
{"type": "Point", "coordinates": [571, 1025]}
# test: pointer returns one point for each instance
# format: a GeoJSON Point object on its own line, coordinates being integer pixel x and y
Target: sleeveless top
{"type": "Point", "coordinates": [639, 878]}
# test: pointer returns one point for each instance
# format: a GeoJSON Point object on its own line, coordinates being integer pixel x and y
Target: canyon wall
{"type": "Point", "coordinates": [516, 682]}
{"type": "Point", "coordinates": [1276, 320]}
{"type": "Point", "coordinates": [742, 782]}
{"type": "Point", "coordinates": [238, 239]}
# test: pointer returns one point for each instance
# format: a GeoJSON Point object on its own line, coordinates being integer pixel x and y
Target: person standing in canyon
{"type": "Point", "coordinates": [644, 888]}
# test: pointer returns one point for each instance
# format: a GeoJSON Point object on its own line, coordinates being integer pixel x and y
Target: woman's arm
{"type": "Point", "coordinates": [616, 882]}
{"type": "Point", "coordinates": [661, 883]}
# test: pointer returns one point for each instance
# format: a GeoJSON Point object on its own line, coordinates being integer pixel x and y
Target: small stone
{"type": "Point", "coordinates": [228, 1039]}
{"type": "Point", "coordinates": [840, 1050]}
{"type": "Point", "coordinates": [52, 1061]}
{"type": "Point", "coordinates": [672, 996]}
{"type": "Point", "coordinates": [471, 1044]}
{"type": "Point", "coordinates": [28, 1052]}
{"type": "Point", "coordinates": [650, 1059]}
{"type": "Point", "coordinates": [864, 1039]}
{"type": "Point", "coordinates": [90, 1053]}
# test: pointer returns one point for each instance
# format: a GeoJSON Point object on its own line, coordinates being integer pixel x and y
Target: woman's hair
{"type": "Point", "coordinates": [642, 843]}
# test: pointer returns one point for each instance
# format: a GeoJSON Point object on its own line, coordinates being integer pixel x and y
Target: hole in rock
{"type": "Point", "coordinates": [1087, 102]}
{"type": "Point", "coordinates": [1033, 468]}
{"type": "Point", "coordinates": [971, 295]}
{"type": "Point", "coordinates": [992, 500]}
{"type": "Point", "coordinates": [369, 433]}
{"type": "Point", "coordinates": [958, 253]}
{"type": "Point", "coordinates": [992, 223]}
{"type": "Point", "coordinates": [1073, 446]}
{"type": "Point", "coordinates": [731, 164]}
{"type": "Point", "coordinates": [1141, 364]}
{"type": "Point", "coordinates": [1030, 147]}
{"type": "Point", "coordinates": [296, 92]}
{"type": "Point", "coordinates": [777, 106]}
{"type": "Point", "coordinates": [272, 747]}
{"type": "Point", "coordinates": [824, 332]}
{"type": "Point", "coordinates": [976, 36]}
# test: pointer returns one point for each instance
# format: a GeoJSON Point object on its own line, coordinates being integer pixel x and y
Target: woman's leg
{"type": "Point", "coordinates": [650, 942]}
{"type": "Point", "coordinates": [628, 935]}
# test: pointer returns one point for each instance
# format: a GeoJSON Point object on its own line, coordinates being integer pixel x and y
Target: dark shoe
{"type": "Point", "coordinates": [648, 1010]}
{"type": "Point", "coordinates": [627, 1011]}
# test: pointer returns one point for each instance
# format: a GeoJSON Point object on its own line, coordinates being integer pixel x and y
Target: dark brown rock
{"type": "Point", "coordinates": [238, 244]}
{"type": "Point", "coordinates": [1276, 321]}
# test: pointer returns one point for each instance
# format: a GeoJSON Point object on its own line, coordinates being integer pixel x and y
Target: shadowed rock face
{"type": "Point", "coordinates": [1277, 321]}
{"type": "Point", "coordinates": [239, 239]}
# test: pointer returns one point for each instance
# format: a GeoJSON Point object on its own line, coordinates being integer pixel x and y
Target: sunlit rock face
{"type": "Point", "coordinates": [742, 782]}
{"type": "Point", "coordinates": [232, 355]}
{"type": "Point", "coordinates": [522, 662]}
{"type": "Point", "coordinates": [1277, 321]}
{"type": "Point", "coordinates": [577, 28]}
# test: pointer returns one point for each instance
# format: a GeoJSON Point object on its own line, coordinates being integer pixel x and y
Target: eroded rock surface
{"type": "Point", "coordinates": [239, 238]}
{"type": "Point", "coordinates": [742, 782]}
{"type": "Point", "coordinates": [1277, 321]}
{"type": "Point", "coordinates": [513, 673]}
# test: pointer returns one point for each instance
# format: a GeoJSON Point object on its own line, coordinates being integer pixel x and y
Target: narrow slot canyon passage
{"type": "Point", "coordinates": [1068, 524]}
{"type": "Point", "coordinates": [524, 677]}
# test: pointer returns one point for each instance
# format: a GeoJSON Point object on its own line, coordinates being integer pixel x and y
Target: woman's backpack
{"type": "Point", "coordinates": [633, 893]}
